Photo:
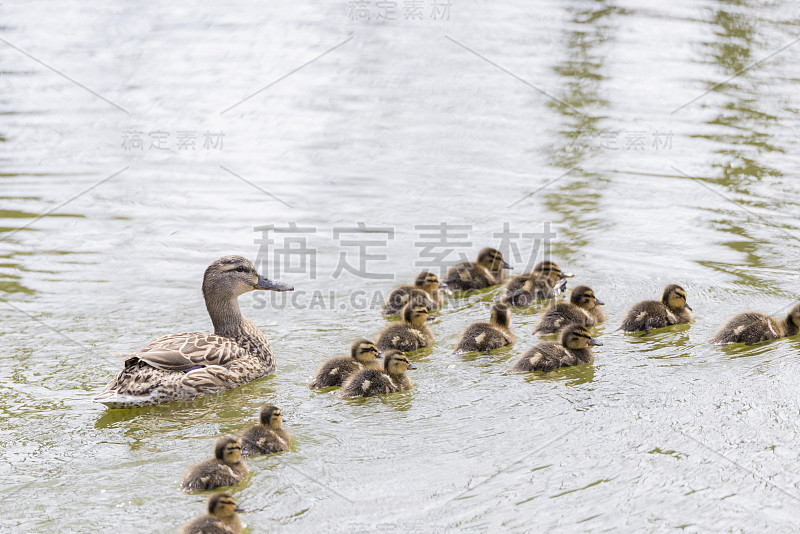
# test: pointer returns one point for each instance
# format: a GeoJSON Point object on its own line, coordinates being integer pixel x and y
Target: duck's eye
{"type": "Point", "coordinates": [240, 269]}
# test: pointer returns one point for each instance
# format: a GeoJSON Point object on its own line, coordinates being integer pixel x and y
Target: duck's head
{"type": "Point", "coordinates": [222, 505]}
{"type": "Point", "coordinates": [415, 314]}
{"type": "Point", "coordinates": [396, 363]}
{"type": "Point", "coordinates": [675, 297]}
{"type": "Point", "coordinates": [491, 259]}
{"type": "Point", "coordinates": [271, 416]}
{"type": "Point", "coordinates": [585, 298]}
{"type": "Point", "coordinates": [428, 282]}
{"type": "Point", "coordinates": [577, 337]}
{"type": "Point", "coordinates": [549, 269]}
{"type": "Point", "coordinates": [364, 351]}
{"type": "Point", "coordinates": [794, 316]}
{"type": "Point", "coordinates": [501, 315]}
{"type": "Point", "coordinates": [232, 276]}
{"type": "Point", "coordinates": [228, 450]}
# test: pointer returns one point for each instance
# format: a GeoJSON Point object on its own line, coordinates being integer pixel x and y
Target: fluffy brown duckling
{"type": "Point", "coordinates": [391, 379]}
{"type": "Point", "coordinates": [409, 334]}
{"type": "Point", "coordinates": [486, 271]}
{"type": "Point", "coordinates": [544, 282]}
{"type": "Point", "coordinates": [754, 327]}
{"type": "Point", "coordinates": [225, 469]}
{"type": "Point", "coordinates": [268, 436]}
{"type": "Point", "coordinates": [335, 371]}
{"type": "Point", "coordinates": [573, 349]}
{"type": "Point", "coordinates": [424, 291]}
{"type": "Point", "coordinates": [583, 308]}
{"type": "Point", "coordinates": [649, 314]}
{"type": "Point", "coordinates": [483, 337]}
{"type": "Point", "coordinates": [221, 518]}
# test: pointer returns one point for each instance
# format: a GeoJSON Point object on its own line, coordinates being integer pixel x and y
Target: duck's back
{"type": "Point", "coordinates": [260, 439]}
{"type": "Point", "coordinates": [518, 294]}
{"type": "Point", "coordinates": [368, 382]}
{"type": "Point", "coordinates": [548, 356]}
{"type": "Point", "coordinates": [560, 315]}
{"type": "Point", "coordinates": [468, 275]}
{"type": "Point", "coordinates": [334, 372]}
{"type": "Point", "coordinates": [400, 296]}
{"type": "Point", "coordinates": [212, 474]}
{"type": "Point", "coordinates": [404, 337]}
{"type": "Point", "coordinates": [482, 337]}
{"type": "Point", "coordinates": [749, 328]}
{"type": "Point", "coordinates": [207, 525]}
{"type": "Point", "coordinates": [648, 315]}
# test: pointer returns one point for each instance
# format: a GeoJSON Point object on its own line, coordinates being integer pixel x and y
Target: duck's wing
{"type": "Point", "coordinates": [181, 352]}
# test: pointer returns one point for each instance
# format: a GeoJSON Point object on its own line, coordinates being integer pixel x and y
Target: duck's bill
{"type": "Point", "coordinates": [595, 343]}
{"type": "Point", "coordinates": [272, 285]}
{"type": "Point", "coordinates": [567, 275]}
{"type": "Point", "coordinates": [506, 265]}
{"type": "Point", "coordinates": [239, 509]}
{"type": "Point", "coordinates": [442, 285]}
{"type": "Point", "coordinates": [599, 302]}
{"type": "Point", "coordinates": [688, 307]}
{"type": "Point", "coordinates": [411, 366]}
{"type": "Point", "coordinates": [378, 356]}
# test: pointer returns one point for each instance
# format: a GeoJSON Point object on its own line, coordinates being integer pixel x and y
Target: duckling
{"type": "Point", "coordinates": [583, 308]}
{"type": "Point", "coordinates": [266, 437]}
{"type": "Point", "coordinates": [548, 355]}
{"type": "Point", "coordinates": [225, 469]}
{"type": "Point", "coordinates": [544, 282]}
{"type": "Point", "coordinates": [391, 379]}
{"type": "Point", "coordinates": [221, 518]}
{"type": "Point", "coordinates": [424, 291]}
{"type": "Point", "coordinates": [651, 314]}
{"type": "Point", "coordinates": [486, 271]}
{"type": "Point", "coordinates": [335, 371]}
{"type": "Point", "coordinates": [480, 337]}
{"type": "Point", "coordinates": [754, 327]}
{"type": "Point", "coordinates": [409, 334]}
{"type": "Point", "coordinates": [184, 366]}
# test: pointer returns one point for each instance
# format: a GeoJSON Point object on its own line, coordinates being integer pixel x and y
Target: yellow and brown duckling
{"type": "Point", "coordinates": [225, 469]}
{"type": "Point", "coordinates": [650, 314]}
{"type": "Point", "coordinates": [391, 379]}
{"type": "Point", "coordinates": [409, 334]}
{"type": "Point", "coordinates": [221, 518]}
{"type": "Point", "coordinates": [335, 371]}
{"type": "Point", "coordinates": [268, 436]}
{"type": "Point", "coordinates": [583, 308]}
{"type": "Point", "coordinates": [483, 337]}
{"type": "Point", "coordinates": [754, 327]}
{"type": "Point", "coordinates": [425, 291]}
{"type": "Point", "coordinates": [572, 349]}
{"type": "Point", "coordinates": [486, 271]}
{"type": "Point", "coordinates": [544, 282]}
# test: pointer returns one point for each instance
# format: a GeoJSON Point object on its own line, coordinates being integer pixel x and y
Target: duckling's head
{"type": "Point", "coordinates": [396, 363]}
{"type": "Point", "coordinates": [428, 282]}
{"type": "Point", "coordinates": [222, 505]}
{"type": "Point", "coordinates": [549, 269]}
{"type": "Point", "coordinates": [228, 450]}
{"type": "Point", "coordinates": [674, 297]}
{"type": "Point", "coordinates": [585, 298]}
{"type": "Point", "coordinates": [271, 416]}
{"type": "Point", "coordinates": [794, 316]}
{"type": "Point", "coordinates": [415, 314]}
{"type": "Point", "coordinates": [577, 337]}
{"type": "Point", "coordinates": [232, 276]}
{"type": "Point", "coordinates": [501, 315]}
{"type": "Point", "coordinates": [491, 259]}
{"type": "Point", "coordinates": [364, 351]}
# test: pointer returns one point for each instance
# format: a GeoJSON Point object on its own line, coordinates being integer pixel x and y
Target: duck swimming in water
{"type": "Point", "coordinates": [544, 282]}
{"type": "Point", "coordinates": [755, 327]}
{"type": "Point", "coordinates": [483, 337]}
{"type": "Point", "coordinates": [221, 518]}
{"type": "Point", "coordinates": [425, 291]}
{"type": "Point", "coordinates": [583, 308]}
{"type": "Point", "coordinates": [486, 271]}
{"type": "Point", "coordinates": [649, 314]}
{"type": "Point", "coordinates": [225, 469]}
{"type": "Point", "coordinates": [335, 371]}
{"type": "Point", "coordinates": [391, 379]}
{"type": "Point", "coordinates": [573, 349]}
{"type": "Point", "coordinates": [409, 334]}
{"type": "Point", "coordinates": [268, 436]}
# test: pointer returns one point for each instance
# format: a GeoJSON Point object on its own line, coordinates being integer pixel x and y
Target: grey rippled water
{"type": "Point", "coordinates": [636, 143]}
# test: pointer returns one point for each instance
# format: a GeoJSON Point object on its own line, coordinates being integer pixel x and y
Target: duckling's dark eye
{"type": "Point", "coordinates": [240, 269]}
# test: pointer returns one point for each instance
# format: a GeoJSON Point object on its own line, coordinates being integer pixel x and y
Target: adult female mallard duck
{"type": "Point", "coordinates": [754, 327]}
{"type": "Point", "coordinates": [486, 271]}
{"type": "Point", "coordinates": [425, 291]}
{"type": "Point", "coordinates": [221, 518]}
{"type": "Point", "coordinates": [225, 469]}
{"type": "Point", "coordinates": [268, 436]}
{"type": "Point", "coordinates": [573, 349]}
{"type": "Point", "coordinates": [651, 314]}
{"type": "Point", "coordinates": [583, 308]}
{"type": "Point", "coordinates": [185, 366]}
{"type": "Point", "coordinates": [483, 337]}
{"type": "Point", "coordinates": [409, 334]}
{"type": "Point", "coordinates": [391, 379]}
{"type": "Point", "coordinates": [335, 371]}
{"type": "Point", "coordinates": [544, 282]}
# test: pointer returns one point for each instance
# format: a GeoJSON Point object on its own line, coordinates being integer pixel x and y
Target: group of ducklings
{"type": "Point", "coordinates": [228, 468]}
{"type": "Point", "coordinates": [361, 376]}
